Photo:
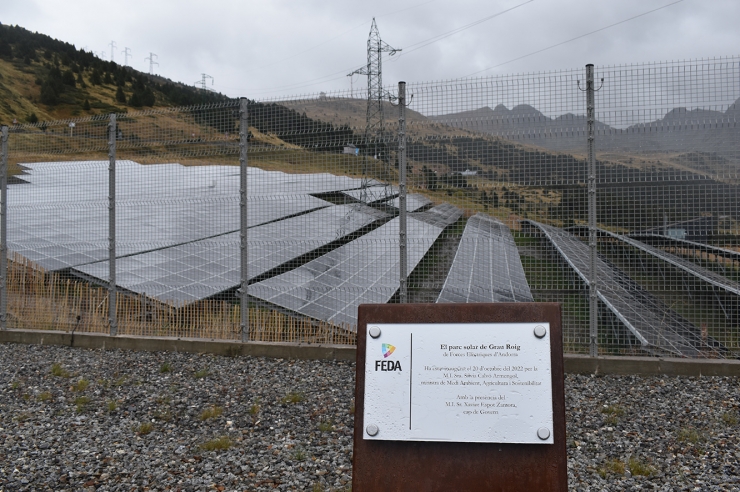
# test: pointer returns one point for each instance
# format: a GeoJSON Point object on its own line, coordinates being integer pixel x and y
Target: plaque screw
{"type": "Point", "coordinates": [372, 430]}
{"type": "Point", "coordinates": [543, 433]}
{"type": "Point", "coordinates": [540, 331]}
{"type": "Point", "coordinates": [374, 331]}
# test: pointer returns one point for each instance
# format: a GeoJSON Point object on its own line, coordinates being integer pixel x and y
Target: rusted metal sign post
{"type": "Point", "coordinates": [459, 397]}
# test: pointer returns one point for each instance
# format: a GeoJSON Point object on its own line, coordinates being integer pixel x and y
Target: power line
{"type": "Point", "coordinates": [363, 23]}
{"type": "Point", "coordinates": [307, 83]}
{"type": "Point", "coordinates": [575, 38]}
{"type": "Point", "coordinates": [427, 42]}
{"type": "Point", "coordinates": [331, 77]}
{"type": "Point", "coordinates": [413, 47]}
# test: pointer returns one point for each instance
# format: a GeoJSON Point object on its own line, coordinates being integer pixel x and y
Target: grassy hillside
{"type": "Point", "coordinates": [42, 78]}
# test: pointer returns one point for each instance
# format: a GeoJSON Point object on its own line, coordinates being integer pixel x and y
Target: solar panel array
{"type": "Point", "coordinates": [487, 267]}
{"type": "Point", "coordinates": [657, 327]}
{"type": "Point", "coordinates": [196, 203]}
{"type": "Point", "coordinates": [201, 269]}
{"type": "Point", "coordinates": [689, 267]}
{"type": "Point", "coordinates": [363, 271]}
{"type": "Point", "coordinates": [180, 243]}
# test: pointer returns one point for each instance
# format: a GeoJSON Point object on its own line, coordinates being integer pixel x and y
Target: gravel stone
{"type": "Point", "coordinates": [123, 420]}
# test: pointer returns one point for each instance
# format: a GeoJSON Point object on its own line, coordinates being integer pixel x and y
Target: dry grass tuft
{"type": "Point", "coordinates": [41, 300]}
{"type": "Point", "coordinates": [211, 412]}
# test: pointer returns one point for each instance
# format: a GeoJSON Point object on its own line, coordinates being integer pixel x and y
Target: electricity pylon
{"type": "Point", "coordinates": [374, 120]}
{"type": "Point", "coordinates": [126, 54]}
{"type": "Point", "coordinates": [202, 81]}
{"type": "Point", "coordinates": [151, 58]}
{"type": "Point", "coordinates": [112, 45]}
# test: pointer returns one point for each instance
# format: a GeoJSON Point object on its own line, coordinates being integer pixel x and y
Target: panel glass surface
{"type": "Point", "coordinates": [330, 288]}
{"type": "Point", "coordinates": [487, 267]}
{"type": "Point", "coordinates": [687, 266]}
{"type": "Point", "coordinates": [200, 269]}
{"type": "Point", "coordinates": [653, 323]}
{"type": "Point", "coordinates": [58, 218]}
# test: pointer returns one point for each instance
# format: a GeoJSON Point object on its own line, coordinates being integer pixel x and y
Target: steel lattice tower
{"type": "Point", "coordinates": [374, 122]}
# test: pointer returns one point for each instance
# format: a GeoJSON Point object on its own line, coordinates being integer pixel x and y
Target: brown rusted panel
{"type": "Point", "coordinates": [449, 466]}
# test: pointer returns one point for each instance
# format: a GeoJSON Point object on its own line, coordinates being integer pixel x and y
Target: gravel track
{"type": "Point", "coordinates": [74, 419]}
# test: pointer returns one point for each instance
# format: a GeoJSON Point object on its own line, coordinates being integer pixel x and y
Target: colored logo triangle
{"type": "Point", "coordinates": [388, 349]}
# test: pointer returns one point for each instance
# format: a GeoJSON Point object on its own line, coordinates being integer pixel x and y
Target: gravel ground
{"type": "Point", "coordinates": [73, 419]}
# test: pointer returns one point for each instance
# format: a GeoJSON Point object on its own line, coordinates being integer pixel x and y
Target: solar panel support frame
{"type": "Point", "coordinates": [3, 226]}
{"type": "Point", "coordinates": [112, 319]}
{"type": "Point", "coordinates": [244, 261]}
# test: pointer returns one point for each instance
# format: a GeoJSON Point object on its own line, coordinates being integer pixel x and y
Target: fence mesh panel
{"type": "Point", "coordinates": [497, 180]}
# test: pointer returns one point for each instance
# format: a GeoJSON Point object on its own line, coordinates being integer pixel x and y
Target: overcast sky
{"type": "Point", "coordinates": [269, 48]}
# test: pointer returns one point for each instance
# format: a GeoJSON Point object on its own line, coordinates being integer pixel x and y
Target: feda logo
{"type": "Point", "coordinates": [387, 365]}
{"type": "Point", "coordinates": [387, 349]}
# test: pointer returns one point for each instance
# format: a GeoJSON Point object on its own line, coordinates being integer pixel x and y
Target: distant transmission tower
{"type": "Point", "coordinates": [112, 45]}
{"type": "Point", "coordinates": [126, 54]}
{"type": "Point", "coordinates": [374, 121]}
{"type": "Point", "coordinates": [151, 58]}
{"type": "Point", "coordinates": [202, 81]}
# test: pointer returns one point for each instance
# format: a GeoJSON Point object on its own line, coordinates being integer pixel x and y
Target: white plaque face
{"type": "Point", "coordinates": [472, 382]}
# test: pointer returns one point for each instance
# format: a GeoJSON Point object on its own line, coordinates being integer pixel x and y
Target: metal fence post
{"type": "Point", "coordinates": [4, 228]}
{"type": "Point", "coordinates": [592, 287]}
{"type": "Point", "coordinates": [244, 278]}
{"type": "Point", "coordinates": [112, 316]}
{"type": "Point", "coordinates": [402, 191]}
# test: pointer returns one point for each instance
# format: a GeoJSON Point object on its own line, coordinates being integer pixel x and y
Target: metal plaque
{"type": "Point", "coordinates": [458, 382]}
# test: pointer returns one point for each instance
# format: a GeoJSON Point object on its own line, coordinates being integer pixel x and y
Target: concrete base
{"type": "Point", "coordinates": [649, 366]}
{"type": "Point", "coordinates": [575, 364]}
{"type": "Point", "coordinates": [229, 348]}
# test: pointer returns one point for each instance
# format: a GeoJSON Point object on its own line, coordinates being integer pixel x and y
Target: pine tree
{"type": "Point", "coordinates": [120, 96]}
{"type": "Point", "coordinates": [95, 77]}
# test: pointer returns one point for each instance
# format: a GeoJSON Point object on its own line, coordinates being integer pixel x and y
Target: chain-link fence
{"type": "Point", "coordinates": [610, 190]}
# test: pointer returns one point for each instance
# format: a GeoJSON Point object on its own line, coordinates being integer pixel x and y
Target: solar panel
{"type": "Point", "coordinates": [687, 266]}
{"type": "Point", "coordinates": [654, 324]}
{"type": "Point", "coordinates": [331, 287]}
{"type": "Point", "coordinates": [200, 269]}
{"type": "Point", "coordinates": [59, 217]}
{"type": "Point", "coordinates": [486, 267]}
{"type": "Point", "coordinates": [442, 215]}
{"type": "Point", "coordinates": [712, 251]}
